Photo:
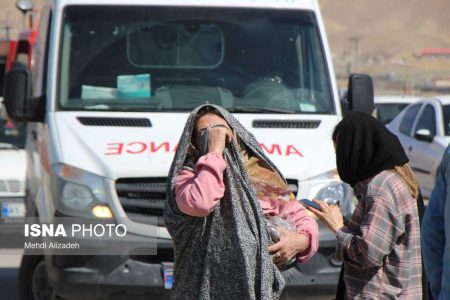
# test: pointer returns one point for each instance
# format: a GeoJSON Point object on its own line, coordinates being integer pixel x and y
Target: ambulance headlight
{"type": "Point", "coordinates": [335, 191]}
{"type": "Point", "coordinates": [332, 194]}
{"type": "Point", "coordinates": [76, 196]}
{"type": "Point", "coordinates": [78, 191]}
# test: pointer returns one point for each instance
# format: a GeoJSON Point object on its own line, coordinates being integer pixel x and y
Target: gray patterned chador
{"type": "Point", "coordinates": [224, 255]}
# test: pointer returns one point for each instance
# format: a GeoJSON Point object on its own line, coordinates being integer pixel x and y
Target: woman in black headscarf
{"type": "Point", "coordinates": [380, 245]}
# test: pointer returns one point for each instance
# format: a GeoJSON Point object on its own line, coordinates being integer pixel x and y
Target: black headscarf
{"type": "Point", "coordinates": [364, 148]}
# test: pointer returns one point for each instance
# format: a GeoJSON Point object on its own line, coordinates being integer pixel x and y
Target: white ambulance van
{"type": "Point", "coordinates": [112, 88]}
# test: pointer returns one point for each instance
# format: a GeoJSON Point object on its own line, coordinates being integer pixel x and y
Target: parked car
{"type": "Point", "coordinates": [388, 107]}
{"type": "Point", "coordinates": [424, 131]}
{"type": "Point", "coordinates": [12, 170]}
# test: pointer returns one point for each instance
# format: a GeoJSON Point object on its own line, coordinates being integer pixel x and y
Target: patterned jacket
{"type": "Point", "coordinates": [380, 247]}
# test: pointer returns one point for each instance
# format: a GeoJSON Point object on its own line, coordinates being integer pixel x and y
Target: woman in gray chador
{"type": "Point", "coordinates": [230, 213]}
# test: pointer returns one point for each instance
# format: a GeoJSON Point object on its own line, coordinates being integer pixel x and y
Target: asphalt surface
{"type": "Point", "coordinates": [9, 266]}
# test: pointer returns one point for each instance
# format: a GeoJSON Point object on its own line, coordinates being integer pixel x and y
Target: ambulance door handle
{"type": "Point", "coordinates": [33, 135]}
{"type": "Point", "coordinates": [410, 148]}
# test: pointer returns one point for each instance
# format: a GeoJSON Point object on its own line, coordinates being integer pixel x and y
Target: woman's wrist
{"type": "Point", "coordinates": [338, 226]}
{"type": "Point", "coordinates": [216, 151]}
{"type": "Point", "coordinates": [304, 242]}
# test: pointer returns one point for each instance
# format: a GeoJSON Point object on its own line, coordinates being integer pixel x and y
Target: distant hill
{"type": "Point", "coordinates": [394, 27]}
{"type": "Point", "coordinates": [391, 35]}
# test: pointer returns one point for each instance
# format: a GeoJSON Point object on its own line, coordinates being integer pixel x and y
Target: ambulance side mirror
{"type": "Point", "coordinates": [360, 93]}
{"type": "Point", "coordinates": [17, 90]}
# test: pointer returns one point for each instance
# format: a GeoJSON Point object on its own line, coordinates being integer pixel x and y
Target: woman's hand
{"type": "Point", "coordinates": [217, 138]}
{"type": "Point", "coordinates": [290, 244]}
{"type": "Point", "coordinates": [330, 215]}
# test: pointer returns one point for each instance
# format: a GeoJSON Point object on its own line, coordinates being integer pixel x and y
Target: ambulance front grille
{"type": "Point", "coordinates": [143, 199]}
{"type": "Point", "coordinates": [293, 186]}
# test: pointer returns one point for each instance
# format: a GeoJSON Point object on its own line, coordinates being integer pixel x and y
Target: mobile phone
{"type": "Point", "coordinates": [310, 203]}
{"type": "Point", "coordinates": [204, 142]}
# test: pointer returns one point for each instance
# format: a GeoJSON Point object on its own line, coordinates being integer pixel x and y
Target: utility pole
{"type": "Point", "coordinates": [7, 27]}
{"type": "Point", "coordinates": [355, 39]}
{"type": "Point", "coordinates": [24, 6]}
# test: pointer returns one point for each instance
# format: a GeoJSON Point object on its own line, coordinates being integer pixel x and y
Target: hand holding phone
{"type": "Point", "coordinates": [307, 202]}
{"type": "Point", "coordinates": [330, 215]}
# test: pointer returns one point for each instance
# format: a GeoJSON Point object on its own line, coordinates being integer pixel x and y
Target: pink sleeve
{"type": "Point", "coordinates": [198, 192]}
{"type": "Point", "coordinates": [305, 224]}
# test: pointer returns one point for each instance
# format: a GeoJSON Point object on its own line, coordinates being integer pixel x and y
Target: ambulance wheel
{"type": "Point", "coordinates": [33, 279]}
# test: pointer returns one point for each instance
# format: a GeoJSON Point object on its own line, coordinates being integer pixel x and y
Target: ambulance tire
{"type": "Point", "coordinates": [33, 279]}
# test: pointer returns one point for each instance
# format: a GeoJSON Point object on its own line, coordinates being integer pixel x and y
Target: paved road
{"type": "Point", "coordinates": [9, 264]}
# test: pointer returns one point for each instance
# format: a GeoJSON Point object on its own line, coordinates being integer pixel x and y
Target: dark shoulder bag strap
{"type": "Point", "coordinates": [340, 292]}
{"type": "Point", "coordinates": [421, 211]}
{"type": "Point", "coordinates": [341, 289]}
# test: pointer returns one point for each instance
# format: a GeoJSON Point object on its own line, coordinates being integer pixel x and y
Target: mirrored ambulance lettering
{"type": "Point", "coordinates": [158, 147]}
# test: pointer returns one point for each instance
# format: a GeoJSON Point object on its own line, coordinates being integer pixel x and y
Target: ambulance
{"type": "Point", "coordinates": [112, 87]}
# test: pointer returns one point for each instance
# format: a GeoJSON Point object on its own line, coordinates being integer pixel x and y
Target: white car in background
{"type": "Point", "coordinates": [388, 107]}
{"type": "Point", "coordinates": [13, 167]}
{"type": "Point", "coordinates": [424, 131]}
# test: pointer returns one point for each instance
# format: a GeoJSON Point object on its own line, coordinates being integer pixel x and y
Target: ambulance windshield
{"type": "Point", "coordinates": [176, 58]}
